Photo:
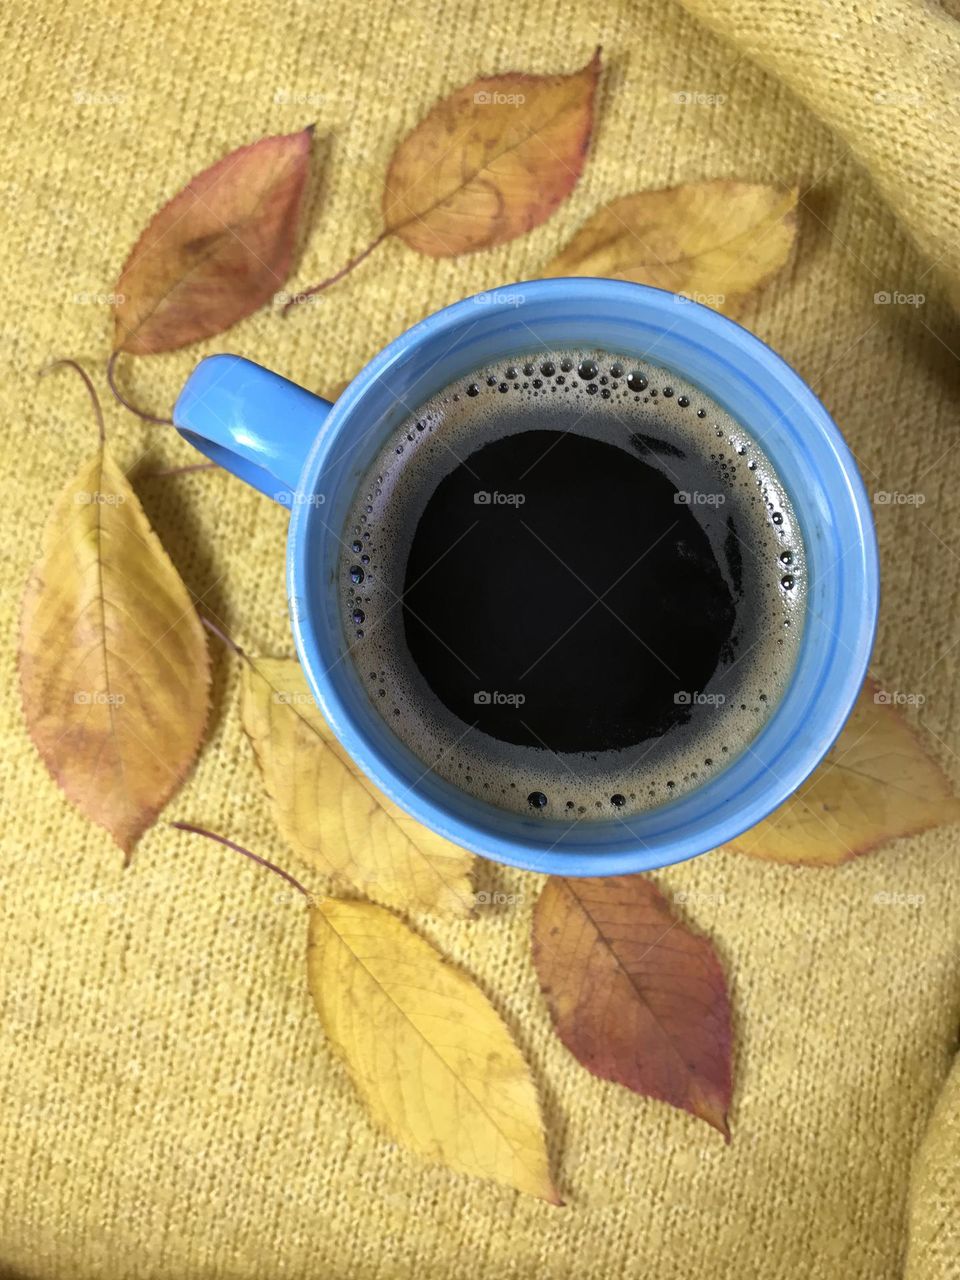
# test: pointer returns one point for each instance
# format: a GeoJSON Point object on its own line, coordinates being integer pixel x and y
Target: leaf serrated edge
{"type": "Point", "coordinates": [466, 909]}
{"type": "Point", "coordinates": [36, 584]}
{"type": "Point", "coordinates": [718, 1121]}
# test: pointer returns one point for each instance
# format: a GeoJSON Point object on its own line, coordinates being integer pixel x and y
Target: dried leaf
{"type": "Point", "coordinates": [877, 784]}
{"type": "Point", "coordinates": [113, 661]}
{"type": "Point", "coordinates": [330, 813]}
{"type": "Point", "coordinates": [714, 242]}
{"type": "Point", "coordinates": [491, 161]}
{"type": "Point", "coordinates": [426, 1050]}
{"type": "Point", "coordinates": [635, 996]}
{"type": "Point", "coordinates": [217, 251]}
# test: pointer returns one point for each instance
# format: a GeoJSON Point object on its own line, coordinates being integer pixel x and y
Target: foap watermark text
{"type": "Point", "coordinates": [482, 498]}
{"type": "Point", "coordinates": [494, 698]}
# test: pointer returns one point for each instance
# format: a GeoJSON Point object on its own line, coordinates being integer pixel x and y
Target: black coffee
{"type": "Point", "coordinates": [573, 585]}
{"type": "Point", "coordinates": [580, 585]}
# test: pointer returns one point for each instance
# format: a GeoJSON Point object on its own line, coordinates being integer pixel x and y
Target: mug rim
{"type": "Point", "coordinates": [440, 817]}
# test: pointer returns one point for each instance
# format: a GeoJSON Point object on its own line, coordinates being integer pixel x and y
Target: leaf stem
{"type": "Point", "coordinates": [254, 857]}
{"type": "Point", "coordinates": [222, 636]}
{"type": "Point", "coordinates": [145, 414]}
{"type": "Point", "coordinates": [73, 364]}
{"type": "Point", "coordinates": [301, 297]}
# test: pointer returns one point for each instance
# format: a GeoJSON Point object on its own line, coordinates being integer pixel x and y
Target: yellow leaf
{"type": "Point", "coordinates": [330, 813]}
{"type": "Point", "coordinates": [491, 161]}
{"type": "Point", "coordinates": [113, 660]}
{"type": "Point", "coordinates": [427, 1052]}
{"type": "Point", "coordinates": [877, 784]}
{"type": "Point", "coordinates": [714, 242]}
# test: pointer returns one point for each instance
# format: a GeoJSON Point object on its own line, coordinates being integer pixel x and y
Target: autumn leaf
{"type": "Point", "coordinates": [489, 162]}
{"type": "Point", "coordinates": [715, 241]}
{"type": "Point", "coordinates": [217, 251]}
{"type": "Point", "coordinates": [878, 783]}
{"type": "Point", "coordinates": [329, 812]}
{"type": "Point", "coordinates": [427, 1052]}
{"type": "Point", "coordinates": [113, 662]}
{"type": "Point", "coordinates": [634, 995]}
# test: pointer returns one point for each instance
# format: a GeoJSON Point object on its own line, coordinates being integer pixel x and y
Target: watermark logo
{"type": "Point", "coordinates": [499, 298]}
{"type": "Point", "coordinates": [682, 498]}
{"type": "Point", "coordinates": [97, 698]}
{"type": "Point", "coordinates": [292, 698]}
{"type": "Point", "coordinates": [491, 98]}
{"type": "Point", "coordinates": [897, 98]}
{"type": "Point", "coordinates": [694, 98]}
{"type": "Point", "coordinates": [890, 898]}
{"type": "Point", "coordinates": [283, 298]}
{"type": "Point", "coordinates": [85, 299]}
{"type": "Point", "coordinates": [496, 499]}
{"type": "Point", "coordinates": [293, 498]}
{"type": "Point", "coordinates": [97, 897]}
{"type": "Point", "coordinates": [705, 299]}
{"type": "Point", "coordinates": [295, 98]}
{"type": "Point", "coordinates": [484, 898]}
{"type": "Point", "coordinates": [494, 698]}
{"type": "Point", "coordinates": [691, 698]}
{"type": "Point", "coordinates": [898, 698]}
{"type": "Point", "coordinates": [894, 298]}
{"type": "Point", "coordinates": [98, 499]}
{"type": "Point", "coordinates": [693, 897]}
{"type": "Point", "coordinates": [894, 498]}
{"type": "Point", "coordinates": [295, 896]}
{"type": "Point", "coordinates": [89, 98]}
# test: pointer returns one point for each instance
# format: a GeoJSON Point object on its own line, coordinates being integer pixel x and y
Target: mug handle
{"type": "Point", "coordinates": [251, 421]}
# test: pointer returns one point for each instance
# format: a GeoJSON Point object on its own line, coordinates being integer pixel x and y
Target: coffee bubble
{"type": "Point", "coordinates": [727, 499]}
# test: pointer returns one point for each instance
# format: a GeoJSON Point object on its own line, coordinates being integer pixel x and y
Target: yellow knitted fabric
{"type": "Point", "coordinates": [168, 1107]}
{"type": "Point", "coordinates": [884, 74]}
{"type": "Point", "coordinates": [934, 1243]}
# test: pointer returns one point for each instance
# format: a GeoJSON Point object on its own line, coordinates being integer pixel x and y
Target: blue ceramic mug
{"type": "Point", "coordinates": [312, 455]}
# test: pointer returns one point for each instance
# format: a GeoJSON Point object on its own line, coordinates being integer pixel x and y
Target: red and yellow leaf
{"type": "Point", "coordinates": [491, 161]}
{"type": "Point", "coordinates": [634, 994]}
{"type": "Point", "coordinates": [217, 251]}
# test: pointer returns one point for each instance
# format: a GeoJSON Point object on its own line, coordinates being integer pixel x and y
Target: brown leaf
{"type": "Point", "coordinates": [113, 662]}
{"type": "Point", "coordinates": [714, 242]}
{"type": "Point", "coordinates": [877, 783]}
{"type": "Point", "coordinates": [634, 995]}
{"type": "Point", "coordinates": [491, 161]}
{"type": "Point", "coordinates": [427, 1052]}
{"type": "Point", "coordinates": [217, 251]}
{"type": "Point", "coordinates": [331, 814]}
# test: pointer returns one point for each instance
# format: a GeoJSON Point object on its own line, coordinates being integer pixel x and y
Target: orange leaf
{"type": "Point", "coordinates": [491, 161]}
{"type": "Point", "coordinates": [877, 784]}
{"type": "Point", "coordinates": [218, 251]}
{"type": "Point", "coordinates": [635, 996]}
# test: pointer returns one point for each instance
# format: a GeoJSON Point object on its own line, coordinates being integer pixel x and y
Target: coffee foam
{"type": "Point", "coordinates": [721, 458]}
